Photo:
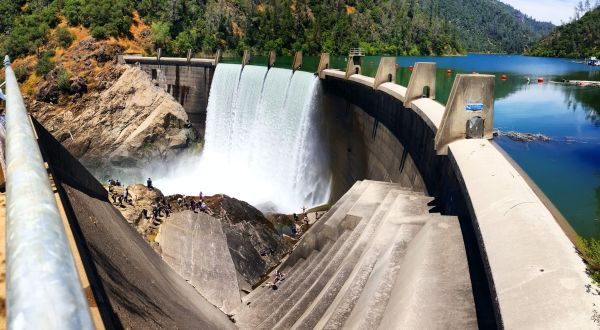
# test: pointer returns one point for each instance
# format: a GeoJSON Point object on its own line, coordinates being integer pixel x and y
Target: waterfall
{"type": "Point", "coordinates": [262, 144]}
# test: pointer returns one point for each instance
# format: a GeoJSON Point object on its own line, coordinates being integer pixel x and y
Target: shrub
{"type": "Point", "coordinates": [22, 72]}
{"type": "Point", "coordinates": [63, 80]}
{"type": "Point", "coordinates": [44, 64]}
{"type": "Point", "coordinates": [99, 32]}
{"type": "Point", "coordinates": [64, 37]}
{"type": "Point", "coordinates": [590, 249]}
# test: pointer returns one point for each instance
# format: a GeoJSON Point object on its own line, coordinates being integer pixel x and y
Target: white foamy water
{"type": "Point", "coordinates": [262, 141]}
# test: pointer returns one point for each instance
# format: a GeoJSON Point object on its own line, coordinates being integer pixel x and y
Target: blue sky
{"type": "Point", "coordinates": [546, 10]}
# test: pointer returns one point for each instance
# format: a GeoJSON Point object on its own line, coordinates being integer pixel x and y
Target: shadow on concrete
{"type": "Point", "coordinates": [132, 285]}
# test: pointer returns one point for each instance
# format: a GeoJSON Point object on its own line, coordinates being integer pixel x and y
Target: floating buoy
{"type": "Point", "coordinates": [504, 77]}
{"type": "Point", "coordinates": [540, 80]}
{"type": "Point", "coordinates": [410, 68]}
{"type": "Point", "coordinates": [449, 71]}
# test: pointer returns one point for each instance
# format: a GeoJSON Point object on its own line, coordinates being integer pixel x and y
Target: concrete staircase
{"type": "Point", "coordinates": [377, 259]}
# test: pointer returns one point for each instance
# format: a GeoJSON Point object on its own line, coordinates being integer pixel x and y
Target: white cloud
{"type": "Point", "coordinates": [554, 11]}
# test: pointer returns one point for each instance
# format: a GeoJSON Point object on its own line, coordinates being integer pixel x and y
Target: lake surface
{"type": "Point", "coordinates": [567, 168]}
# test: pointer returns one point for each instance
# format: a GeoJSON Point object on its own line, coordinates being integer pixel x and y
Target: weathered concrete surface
{"type": "Point", "coordinates": [539, 279]}
{"type": "Point", "coordinates": [367, 81]}
{"type": "Point", "coordinates": [413, 130]}
{"type": "Point", "coordinates": [335, 73]}
{"type": "Point", "coordinates": [467, 88]}
{"type": "Point", "coordinates": [361, 147]}
{"type": "Point", "coordinates": [386, 72]}
{"type": "Point", "coordinates": [389, 251]}
{"type": "Point", "coordinates": [422, 76]}
{"type": "Point", "coordinates": [132, 285]}
{"type": "Point", "coordinates": [430, 111]}
{"type": "Point", "coordinates": [397, 91]}
{"type": "Point", "coordinates": [194, 245]}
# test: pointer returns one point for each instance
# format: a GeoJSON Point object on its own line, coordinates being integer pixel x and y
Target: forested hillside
{"type": "Point", "coordinates": [380, 26]}
{"type": "Point", "coordinates": [577, 39]}
{"type": "Point", "coordinates": [492, 26]}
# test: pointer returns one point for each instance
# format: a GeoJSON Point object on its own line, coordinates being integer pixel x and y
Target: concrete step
{"type": "Point", "coordinates": [433, 280]}
{"type": "Point", "coordinates": [364, 208]}
{"type": "Point", "coordinates": [385, 262]}
{"type": "Point", "coordinates": [307, 275]}
{"type": "Point", "coordinates": [350, 273]}
{"type": "Point", "coordinates": [258, 310]}
{"type": "Point", "coordinates": [333, 260]}
{"type": "Point", "coordinates": [315, 238]}
{"type": "Point", "coordinates": [259, 290]}
{"type": "Point", "coordinates": [344, 261]}
{"type": "Point", "coordinates": [353, 309]}
{"type": "Point", "coordinates": [313, 258]}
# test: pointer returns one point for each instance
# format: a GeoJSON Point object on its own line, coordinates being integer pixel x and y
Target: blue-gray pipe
{"type": "Point", "coordinates": [42, 284]}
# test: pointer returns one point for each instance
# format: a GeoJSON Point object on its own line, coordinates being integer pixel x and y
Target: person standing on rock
{"type": "Point", "coordinates": [154, 212]}
{"type": "Point", "coordinates": [149, 183]}
{"type": "Point", "coordinates": [193, 205]}
{"type": "Point", "coordinates": [126, 194]}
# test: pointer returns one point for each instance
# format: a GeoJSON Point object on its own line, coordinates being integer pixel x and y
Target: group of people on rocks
{"type": "Point", "coordinates": [117, 198]}
{"type": "Point", "coordinates": [301, 223]}
{"type": "Point", "coordinates": [193, 205]}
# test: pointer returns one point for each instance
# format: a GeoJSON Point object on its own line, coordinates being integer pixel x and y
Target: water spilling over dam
{"type": "Point", "coordinates": [262, 141]}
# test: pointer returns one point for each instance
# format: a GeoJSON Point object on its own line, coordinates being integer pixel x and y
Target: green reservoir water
{"type": "Point", "coordinates": [567, 169]}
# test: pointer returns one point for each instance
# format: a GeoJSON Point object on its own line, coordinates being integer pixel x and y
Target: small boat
{"type": "Point", "coordinates": [593, 61]}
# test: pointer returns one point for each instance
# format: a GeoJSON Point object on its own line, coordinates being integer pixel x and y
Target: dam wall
{"type": "Point", "coordinates": [369, 139]}
{"type": "Point", "coordinates": [525, 272]}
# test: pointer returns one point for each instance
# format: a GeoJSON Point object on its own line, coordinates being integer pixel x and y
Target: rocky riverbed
{"type": "Point", "coordinates": [254, 242]}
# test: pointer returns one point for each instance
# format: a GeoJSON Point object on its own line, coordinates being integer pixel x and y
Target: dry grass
{"type": "Point", "coordinates": [133, 45]}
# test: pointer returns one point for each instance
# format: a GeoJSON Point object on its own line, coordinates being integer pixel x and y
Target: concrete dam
{"type": "Point", "coordinates": [431, 225]}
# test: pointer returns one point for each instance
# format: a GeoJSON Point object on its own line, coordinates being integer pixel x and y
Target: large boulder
{"type": "Point", "coordinates": [254, 244]}
{"type": "Point", "coordinates": [110, 116]}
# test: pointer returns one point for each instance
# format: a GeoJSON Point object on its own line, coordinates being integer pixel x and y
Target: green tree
{"type": "Point", "coordinates": [161, 34]}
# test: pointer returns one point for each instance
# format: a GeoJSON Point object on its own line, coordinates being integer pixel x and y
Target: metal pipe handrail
{"type": "Point", "coordinates": [42, 284]}
{"type": "Point", "coordinates": [357, 52]}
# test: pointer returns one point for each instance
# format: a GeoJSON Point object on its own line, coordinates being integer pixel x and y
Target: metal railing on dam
{"type": "Point", "coordinates": [43, 286]}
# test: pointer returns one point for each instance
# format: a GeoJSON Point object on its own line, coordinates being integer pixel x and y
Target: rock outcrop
{"type": "Point", "coordinates": [111, 117]}
{"type": "Point", "coordinates": [194, 245]}
{"type": "Point", "coordinates": [254, 244]}
{"type": "Point", "coordinates": [131, 122]}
